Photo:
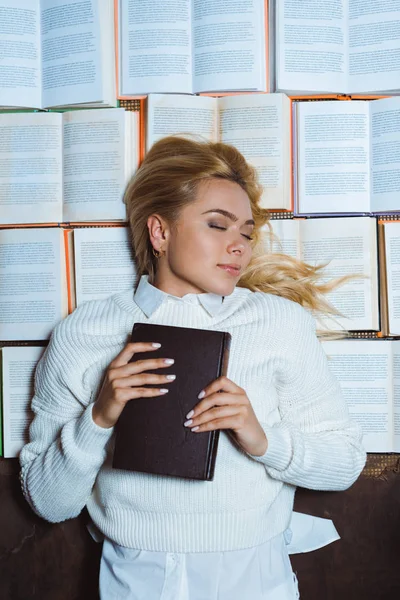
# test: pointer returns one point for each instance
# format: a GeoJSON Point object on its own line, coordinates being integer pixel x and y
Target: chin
{"type": "Point", "coordinates": [223, 288]}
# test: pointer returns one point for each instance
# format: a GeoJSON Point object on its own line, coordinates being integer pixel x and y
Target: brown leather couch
{"type": "Point", "coordinates": [42, 561]}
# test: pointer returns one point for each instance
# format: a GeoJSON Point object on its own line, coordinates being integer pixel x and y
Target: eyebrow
{"type": "Point", "coordinates": [228, 214]}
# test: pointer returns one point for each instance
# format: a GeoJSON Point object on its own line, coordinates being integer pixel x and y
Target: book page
{"type": "Point", "coordinates": [20, 78]}
{"type": "Point", "coordinates": [333, 157]}
{"type": "Point", "coordinates": [32, 283]}
{"type": "Point", "coordinates": [259, 127]}
{"type": "Point", "coordinates": [396, 395]}
{"type": "Point", "coordinates": [71, 51]}
{"type": "Point", "coordinates": [103, 262]}
{"type": "Point", "coordinates": [271, 32]}
{"type": "Point", "coordinates": [374, 45]}
{"type": "Point", "coordinates": [30, 168]}
{"type": "Point", "coordinates": [287, 237]}
{"type": "Point", "coordinates": [172, 114]}
{"type": "Point", "coordinates": [349, 247]}
{"type": "Point", "coordinates": [229, 45]}
{"type": "Point", "coordinates": [95, 173]}
{"type": "Point", "coordinates": [155, 47]}
{"type": "Point", "coordinates": [385, 153]}
{"type": "Point", "coordinates": [392, 253]}
{"type": "Point", "coordinates": [311, 45]}
{"type": "Point", "coordinates": [364, 371]}
{"type": "Point", "coordinates": [19, 364]}
{"type": "Point", "coordinates": [108, 50]}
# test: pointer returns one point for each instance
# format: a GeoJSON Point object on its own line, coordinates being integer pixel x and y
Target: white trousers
{"type": "Point", "coordinates": [259, 573]}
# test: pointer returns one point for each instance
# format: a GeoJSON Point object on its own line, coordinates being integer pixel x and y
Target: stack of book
{"type": "Point", "coordinates": [306, 91]}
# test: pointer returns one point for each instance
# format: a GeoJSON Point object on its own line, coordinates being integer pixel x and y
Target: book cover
{"type": "Point", "coordinates": [150, 433]}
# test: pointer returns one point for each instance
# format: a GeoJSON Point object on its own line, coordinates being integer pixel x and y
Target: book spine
{"type": "Point", "coordinates": [214, 437]}
{"type": "Point", "coordinates": [382, 281]}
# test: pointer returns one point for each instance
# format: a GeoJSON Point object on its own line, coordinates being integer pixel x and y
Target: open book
{"type": "Point", "coordinates": [57, 53]}
{"type": "Point", "coordinates": [102, 263]}
{"type": "Point", "coordinates": [66, 167]}
{"type": "Point", "coordinates": [33, 283]}
{"type": "Point", "coordinates": [45, 273]}
{"type": "Point", "coordinates": [349, 246]}
{"type": "Point", "coordinates": [192, 46]}
{"type": "Point", "coordinates": [347, 157]}
{"type": "Point", "coordinates": [389, 251]}
{"type": "Point", "coordinates": [369, 375]}
{"type": "Point", "coordinates": [257, 125]}
{"type": "Point", "coordinates": [18, 364]}
{"type": "Point", "coordinates": [348, 47]}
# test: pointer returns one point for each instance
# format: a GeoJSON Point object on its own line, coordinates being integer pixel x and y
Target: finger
{"type": "Point", "coordinates": [142, 379]}
{"type": "Point", "coordinates": [138, 367]}
{"type": "Point", "coordinates": [221, 384]}
{"type": "Point", "coordinates": [233, 422]}
{"type": "Point", "coordinates": [132, 348]}
{"type": "Point", "coordinates": [215, 399]}
{"type": "Point", "coordinates": [124, 395]}
{"type": "Point", "coordinates": [212, 414]}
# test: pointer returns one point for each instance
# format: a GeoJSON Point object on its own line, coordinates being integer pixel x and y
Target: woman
{"type": "Point", "coordinates": [195, 217]}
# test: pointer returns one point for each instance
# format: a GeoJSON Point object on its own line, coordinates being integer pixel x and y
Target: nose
{"type": "Point", "coordinates": [236, 247]}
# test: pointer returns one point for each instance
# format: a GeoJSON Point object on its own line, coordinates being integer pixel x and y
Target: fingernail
{"type": "Point", "coordinates": [194, 428]}
{"type": "Point", "coordinates": [156, 345]}
{"type": "Point", "coordinates": [171, 377]}
{"type": "Point", "coordinates": [169, 361]}
{"type": "Point", "coordinates": [187, 423]}
{"type": "Point", "coordinates": [163, 391]}
{"type": "Point", "coordinates": [190, 414]}
{"type": "Point", "coordinates": [201, 395]}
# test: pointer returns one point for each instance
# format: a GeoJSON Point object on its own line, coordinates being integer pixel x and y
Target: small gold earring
{"type": "Point", "coordinates": [156, 253]}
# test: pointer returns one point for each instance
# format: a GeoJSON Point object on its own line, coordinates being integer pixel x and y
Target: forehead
{"type": "Point", "coordinates": [220, 193]}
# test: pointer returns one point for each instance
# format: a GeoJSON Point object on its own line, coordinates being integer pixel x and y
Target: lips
{"type": "Point", "coordinates": [231, 269]}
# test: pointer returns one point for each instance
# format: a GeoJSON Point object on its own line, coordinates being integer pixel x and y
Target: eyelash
{"type": "Point", "coordinates": [248, 237]}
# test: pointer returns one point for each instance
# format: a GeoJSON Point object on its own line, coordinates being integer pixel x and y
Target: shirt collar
{"type": "Point", "coordinates": [149, 298]}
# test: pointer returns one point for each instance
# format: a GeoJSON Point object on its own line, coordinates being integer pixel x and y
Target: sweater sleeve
{"type": "Point", "coordinates": [315, 445]}
{"type": "Point", "coordinates": [60, 463]}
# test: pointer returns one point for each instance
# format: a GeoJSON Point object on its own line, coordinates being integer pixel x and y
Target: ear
{"type": "Point", "coordinates": [158, 232]}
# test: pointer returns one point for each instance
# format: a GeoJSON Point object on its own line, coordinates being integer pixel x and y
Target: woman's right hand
{"type": "Point", "coordinates": [124, 381]}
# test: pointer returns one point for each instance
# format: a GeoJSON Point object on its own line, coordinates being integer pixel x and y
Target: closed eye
{"type": "Point", "coordinates": [216, 227]}
{"type": "Point", "coordinates": [220, 228]}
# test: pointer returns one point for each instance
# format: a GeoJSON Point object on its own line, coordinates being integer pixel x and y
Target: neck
{"type": "Point", "coordinates": [171, 284]}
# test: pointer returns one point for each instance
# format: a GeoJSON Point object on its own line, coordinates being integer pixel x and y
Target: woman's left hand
{"type": "Point", "coordinates": [224, 405]}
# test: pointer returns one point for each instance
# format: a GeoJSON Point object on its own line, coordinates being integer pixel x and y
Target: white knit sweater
{"type": "Point", "coordinates": [275, 357]}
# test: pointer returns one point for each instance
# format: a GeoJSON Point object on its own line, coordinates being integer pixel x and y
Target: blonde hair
{"type": "Point", "coordinates": [168, 179]}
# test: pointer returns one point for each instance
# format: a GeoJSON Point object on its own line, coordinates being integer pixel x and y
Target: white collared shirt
{"type": "Point", "coordinates": [150, 298]}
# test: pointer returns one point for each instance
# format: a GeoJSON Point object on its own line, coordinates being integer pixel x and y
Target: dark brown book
{"type": "Point", "coordinates": [150, 433]}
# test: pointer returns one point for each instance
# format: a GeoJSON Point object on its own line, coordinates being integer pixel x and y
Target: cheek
{"type": "Point", "coordinates": [185, 250]}
{"type": "Point", "coordinates": [198, 246]}
{"type": "Point", "coordinates": [247, 254]}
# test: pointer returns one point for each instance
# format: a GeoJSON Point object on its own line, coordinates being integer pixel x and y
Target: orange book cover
{"type": "Point", "coordinates": [68, 267]}
{"type": "Point", "coordinates": [24, 225]}
{"type": "Point", "coordinates": [383, 274]}
{"type": "Point", "coordinates": [316, 97]}
{"type": "Point", "coordinates": [142, 130]}
{"type": "Point", "coordinates": [95, 224]}
{"type": "Point", "coordinates": [383, 280]}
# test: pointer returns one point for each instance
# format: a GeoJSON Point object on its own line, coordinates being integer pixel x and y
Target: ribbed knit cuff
{"type": "Point", "coordinates": [90, 438]}
{"type": "Point", "coordinates": [279, 452]}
